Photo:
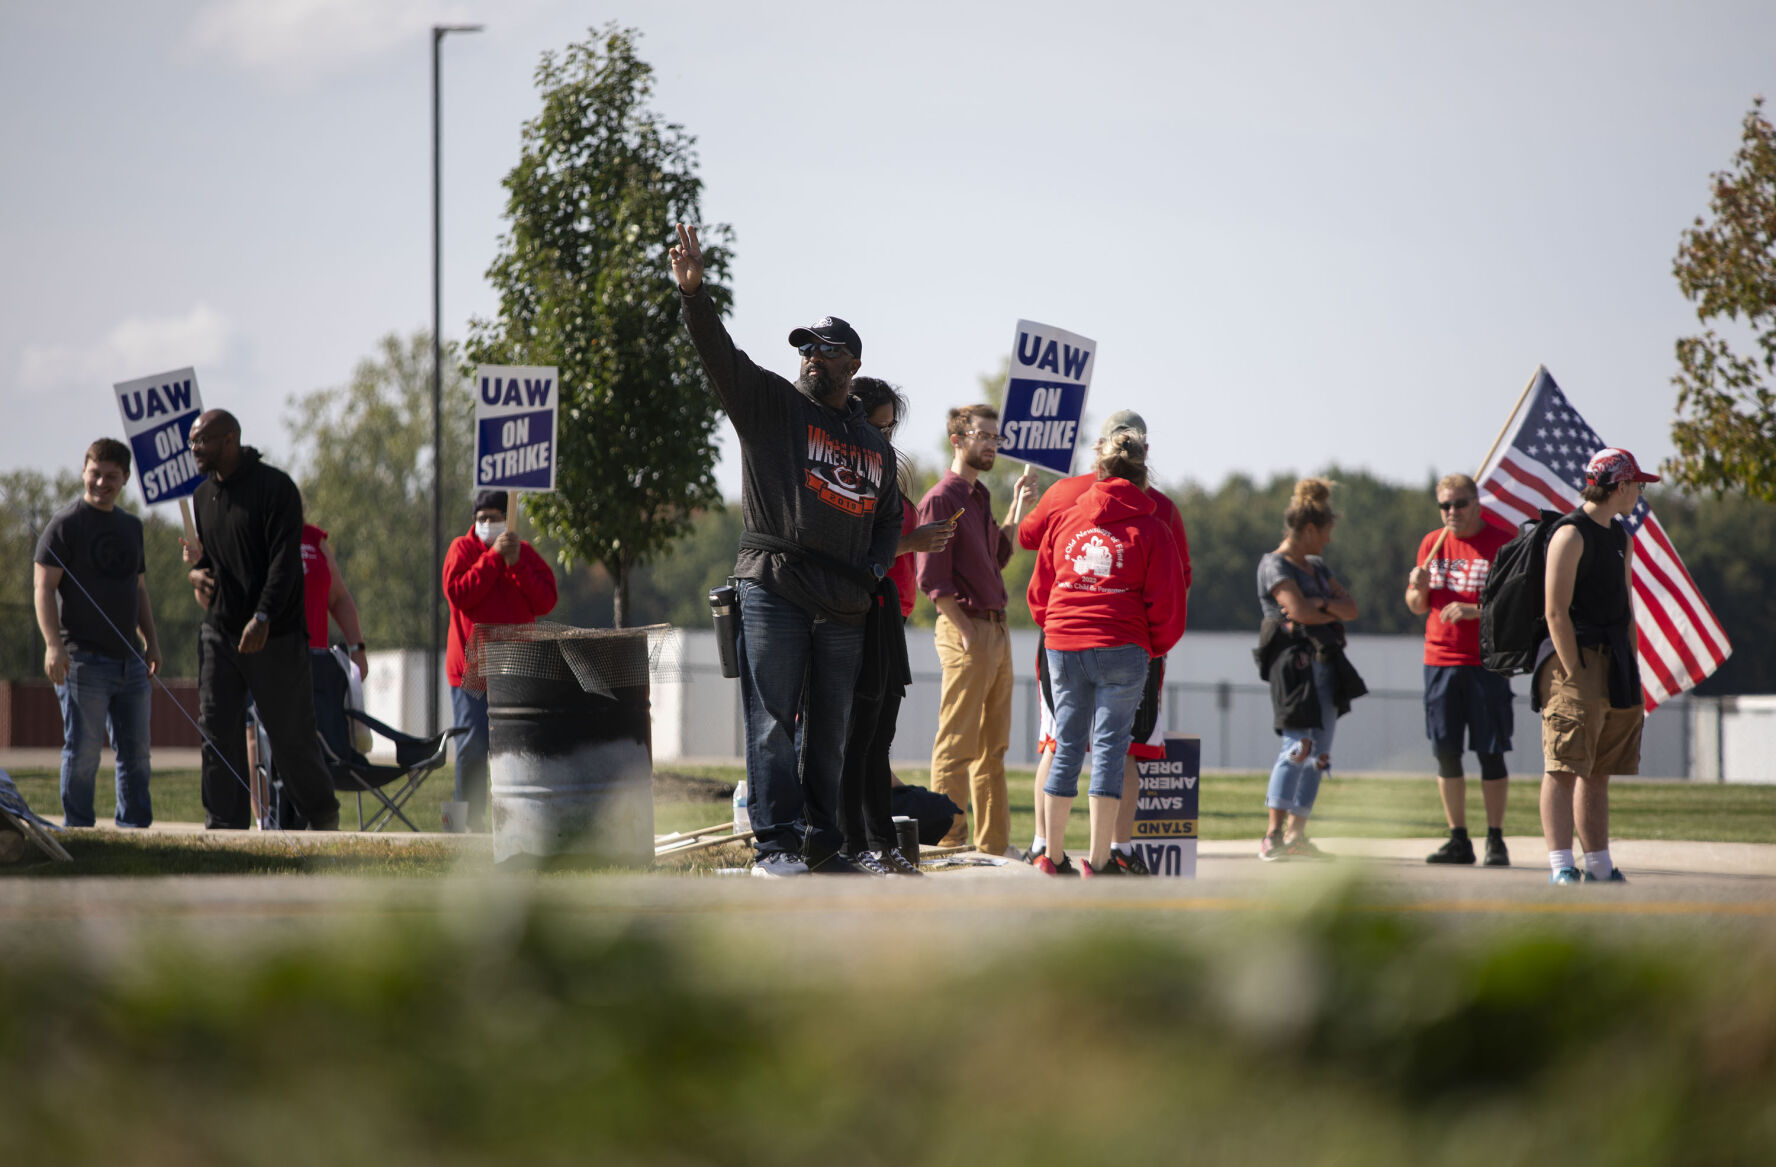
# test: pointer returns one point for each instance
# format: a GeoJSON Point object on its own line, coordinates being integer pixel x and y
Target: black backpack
{"type": "Point", "coordinates": [1513, 623]}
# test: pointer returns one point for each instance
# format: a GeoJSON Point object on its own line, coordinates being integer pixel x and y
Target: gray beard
{"type": "Point", "coordinates": [816, 383]}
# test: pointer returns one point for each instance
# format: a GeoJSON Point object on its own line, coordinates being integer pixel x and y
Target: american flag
{"type": "Point", "coordinates": [1540, 465]}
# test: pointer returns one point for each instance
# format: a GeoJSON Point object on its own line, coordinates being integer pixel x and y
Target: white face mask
{"type": "Point", "coordinates": [488, 531]}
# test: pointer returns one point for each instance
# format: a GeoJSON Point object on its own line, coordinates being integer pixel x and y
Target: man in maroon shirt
{"type": "Point", "coordinates": [973, 645]}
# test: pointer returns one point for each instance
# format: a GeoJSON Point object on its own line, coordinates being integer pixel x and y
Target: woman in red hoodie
{"type": "Point", "coordinates": [1108, 591]}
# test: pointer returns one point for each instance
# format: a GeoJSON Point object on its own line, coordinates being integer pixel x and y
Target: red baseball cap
{"type": "Point", "coordinates": [1609, 466]}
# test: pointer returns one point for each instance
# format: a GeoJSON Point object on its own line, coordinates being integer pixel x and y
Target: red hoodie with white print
{"type": "Point", "coordinates": [1108, 573]}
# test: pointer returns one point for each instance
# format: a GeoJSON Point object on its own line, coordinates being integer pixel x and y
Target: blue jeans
{"type": "Point", "coordinates": [471, 754]}
{"type": "Point", "coordinates": [798, 672]}
{"type": "Point", "coordinates": [101, 692]}
{"type": "Point", "coordinates": [1294, 785]}
{"type": "Point", "coordinates": [1096, 694]}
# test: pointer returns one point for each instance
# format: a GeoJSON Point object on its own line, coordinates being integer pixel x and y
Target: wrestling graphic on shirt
{"type": "Point", "coordinates": [843, 475]}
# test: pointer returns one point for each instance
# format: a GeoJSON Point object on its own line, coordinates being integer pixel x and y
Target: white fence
{"type": "Point", "coordinates": [1212, 689]}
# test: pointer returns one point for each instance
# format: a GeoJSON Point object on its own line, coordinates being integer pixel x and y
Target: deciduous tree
{"type": "Point", "coordinates": [585, 285]}
{"type": "Point", "coordinates": [1726, 401]}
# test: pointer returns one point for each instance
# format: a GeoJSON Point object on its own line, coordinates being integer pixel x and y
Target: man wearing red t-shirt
{"type": "Point", "coordinates": [1459, 693]}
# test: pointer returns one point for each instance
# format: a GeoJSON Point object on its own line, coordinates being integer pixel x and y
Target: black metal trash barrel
{"type": "Point", "coordinates": [570, 771]}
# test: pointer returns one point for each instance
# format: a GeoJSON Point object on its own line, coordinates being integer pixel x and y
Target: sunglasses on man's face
{"type": "Point", "coordinates": [813, 348]}
{"type": "Point", "coordinates": [1454, 504]}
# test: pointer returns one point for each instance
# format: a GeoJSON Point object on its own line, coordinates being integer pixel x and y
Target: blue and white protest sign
{"type": "Point", "coordinates": [1051, 372]}
{"type": "Point", "coordinates": [1166, 815]}
{"type": "Point", "coordinates": [516, 407]}
{"type": "Point", "coordinates": [158, 413]}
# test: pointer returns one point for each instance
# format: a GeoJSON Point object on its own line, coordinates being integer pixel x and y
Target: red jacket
{"type": "Point", "coordinates": [483, 590]}
{"type": "Point", "coordinates": [1060, 498]}
{"type": "Point", "coordinates": [1109, 573]}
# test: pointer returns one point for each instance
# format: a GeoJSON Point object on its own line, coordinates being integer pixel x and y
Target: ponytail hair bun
{"type": "Point", "coordinates": [1123, 455]}
{"type": "Point", "coordinates": [1309, 504]}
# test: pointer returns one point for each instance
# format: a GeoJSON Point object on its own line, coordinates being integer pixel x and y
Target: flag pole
{"type": "Point", "coordinates": [1490, 450]}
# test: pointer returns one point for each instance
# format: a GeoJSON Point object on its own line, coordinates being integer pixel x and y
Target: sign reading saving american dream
{"type": "Point", "coordinates": [158, 413]}
{"type": "Point", "coordinates": [1051, 372]}
{"type": "Point", "coordinates": [1166, 814]}
{"type": "Point", "coordinates": [515, 413]}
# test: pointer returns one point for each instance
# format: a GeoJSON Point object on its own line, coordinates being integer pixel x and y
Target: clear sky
{"type": "Point", "coordinates": [1300, 233]}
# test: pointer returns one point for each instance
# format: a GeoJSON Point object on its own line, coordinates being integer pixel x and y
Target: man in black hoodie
{"type": "Point", "coordinates": [255, 634]}
{"type": "Point", "coordinates": [822, 514]}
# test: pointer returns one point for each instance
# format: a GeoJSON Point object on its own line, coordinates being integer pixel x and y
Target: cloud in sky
{"type": "Point", "coordinates": [137, 347]}
{"type": "Point", "coordinates": [296, 41]}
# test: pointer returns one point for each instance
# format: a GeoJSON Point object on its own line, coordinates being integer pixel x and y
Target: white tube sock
{"type": "Point", "coordinates": [1561, 860]}
{"type": "Point", "coordinates": [1598, 865]}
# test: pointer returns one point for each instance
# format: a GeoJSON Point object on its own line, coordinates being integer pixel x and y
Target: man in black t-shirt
{"type": "Point", "coordinates": [91, 595]}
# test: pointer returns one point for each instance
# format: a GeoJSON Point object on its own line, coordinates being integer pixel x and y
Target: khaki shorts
{"type": "Point", "coordinates": [1581, 734]}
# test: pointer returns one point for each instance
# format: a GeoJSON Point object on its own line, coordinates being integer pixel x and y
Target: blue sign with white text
{"type": "Point", "coordinates": [158, 413]}
{"type": "Point", "coordinates": [1166, 814]}
{"type": "Point", "coordinates": [1051, 372]}
{"type": "Point", "coordinates": [515, 416]}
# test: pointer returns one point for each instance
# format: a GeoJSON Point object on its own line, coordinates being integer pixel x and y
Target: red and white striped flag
{"type": "Point", "coordinates": [1540, 465]}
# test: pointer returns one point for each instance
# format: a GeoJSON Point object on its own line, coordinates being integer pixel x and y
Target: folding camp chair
{"type": "Point", "coordinates": [352, 772]}
{"type": "Point", "coordinates": [391, 785]}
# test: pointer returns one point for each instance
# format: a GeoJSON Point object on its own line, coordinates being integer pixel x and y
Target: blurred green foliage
{"type": "Point", "coordinates": [539, 1034]}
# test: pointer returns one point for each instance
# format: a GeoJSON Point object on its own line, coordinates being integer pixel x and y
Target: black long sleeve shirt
{"type": "Point", "coordinates": [820, 477]}
{"type": "Point", "coordinates": [250, 525]}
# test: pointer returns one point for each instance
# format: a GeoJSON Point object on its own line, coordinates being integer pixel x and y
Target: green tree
{"type": "Point", "coordinates": [1726, 403]}
{"type": "Point", "coordinates": [585, 284]}
{"type": "Point", "coordinates": [364, 455]}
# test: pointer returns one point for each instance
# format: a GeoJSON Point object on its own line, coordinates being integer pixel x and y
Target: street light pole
{"type": "Point", "coordinates": [436, 655]}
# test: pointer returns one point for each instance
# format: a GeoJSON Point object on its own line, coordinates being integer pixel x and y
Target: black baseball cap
{"type": "Point", "coordinates": [831, 330]}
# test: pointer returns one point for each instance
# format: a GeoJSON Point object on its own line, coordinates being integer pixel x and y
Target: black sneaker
{"type": "Point", "coordinates": [837, 864]}
{"type": "Point", "coordinates": [1087, 871]}
{"type": "Point", "coordinates": [1065, 866]}
{"type": "Point", "coordinates": [1131, 864]}
{"type": "Point", "coordinates": [1455, 849]}
{"type": "Point", "coordinates": [1033, 854]}
{"type": "Point", "coordinates": [1496, 855]}
{"type": "Point", "coordinates": [899, 864]}
{"type": "Point", "coordinates": [778, 865]}
{"type": "Point", "coordinates": [871, 863]}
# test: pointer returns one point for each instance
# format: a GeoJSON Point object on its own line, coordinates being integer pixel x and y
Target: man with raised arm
{"type": "Point", "coordinates": [822, 516]}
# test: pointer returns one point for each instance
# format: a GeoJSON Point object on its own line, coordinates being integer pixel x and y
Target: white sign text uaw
{"type": "Point", "coordinates": [158, 413]}
{"type": "Point", "coordinates": [1051, 371]}
{"type": "Point", "coordinates": [516, 407]}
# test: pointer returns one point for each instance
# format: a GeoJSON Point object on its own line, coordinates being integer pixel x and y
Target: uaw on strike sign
{"type": "Point", "coordinates": [515, 426]}
{"type": "Point", "coordinates": [1051, 371]}
{"type": "Point", "coordinates": [158, 413]}
{"type": "Point", "coordinates": [1166, 815]}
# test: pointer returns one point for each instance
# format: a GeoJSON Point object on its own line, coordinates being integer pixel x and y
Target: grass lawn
{"type": "Point", "coordinates": [688, 797]}
{"type": "Point", "coordinates": [539, 1035]}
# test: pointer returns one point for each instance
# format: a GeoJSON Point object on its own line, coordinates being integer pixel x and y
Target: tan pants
{"type": "Point", "coordinates": [974, 731]}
